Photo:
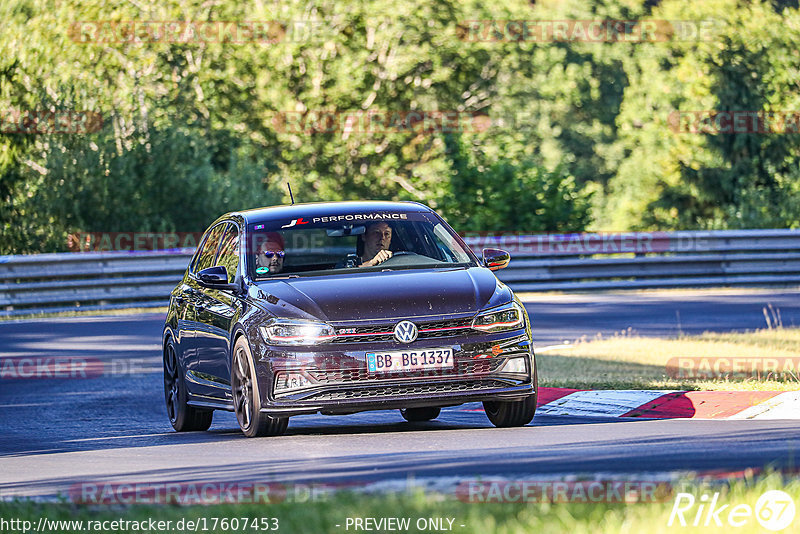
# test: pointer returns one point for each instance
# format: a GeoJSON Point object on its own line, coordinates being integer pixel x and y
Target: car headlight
{"type": "Point", "coordinates": [507, 317]}
{"type": "Point", "coordinates": [296, 332]}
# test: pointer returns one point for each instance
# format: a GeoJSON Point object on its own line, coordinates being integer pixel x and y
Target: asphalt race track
{"type": "Point", "coordinates": [55, 433]}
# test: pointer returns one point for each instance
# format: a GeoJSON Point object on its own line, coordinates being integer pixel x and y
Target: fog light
{"type": "Point", "coordinates": [514, 365]}
{"type": "Point", "coordinates": [291, 380]}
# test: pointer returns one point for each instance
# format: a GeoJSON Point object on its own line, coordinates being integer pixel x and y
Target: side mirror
{"type": "Point", "coordinates": [495, 259]}
{"type": "Point", "coordinates": [215, 278]}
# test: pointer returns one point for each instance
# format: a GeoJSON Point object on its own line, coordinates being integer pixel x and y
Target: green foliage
{"type": "Point", "coordinates": [511, 196]}
{"type": "Point", "coordinates": [205, 120]}
{"type": "Point", "coordinates": [158, 179]}
{"type": "Point", "coordinates": [672, 179]}
{"type": "Point", "coordinates": [12, 149]}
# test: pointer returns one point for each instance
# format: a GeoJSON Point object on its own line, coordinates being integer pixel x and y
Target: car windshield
{"type": "Point", "coordinates": [352, 242]}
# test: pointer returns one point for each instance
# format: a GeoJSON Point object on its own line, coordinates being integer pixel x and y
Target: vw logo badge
{"type": "Point", "coordinates": [405, 331]}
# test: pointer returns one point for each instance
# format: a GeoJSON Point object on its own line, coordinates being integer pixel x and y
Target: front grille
{"type": "Point", "coordinates": [404, 390]}
{"type": "Point", "coordinates": [452, 323]}
{"type": "Point", "coordinates": [463, 367]}
{"type": "Point", "coordinates": [350, 338]}
{"type": "Point", "coordinates": [384, 332]}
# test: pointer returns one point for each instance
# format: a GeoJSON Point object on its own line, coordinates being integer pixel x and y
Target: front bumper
{"type": "Point", "coordinates": [339, 382]}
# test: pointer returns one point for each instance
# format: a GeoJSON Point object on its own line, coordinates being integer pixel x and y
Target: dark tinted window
{"type": "Point", "coordinates": [209, 251]}
{"type": "Point", "coordinates": [229, 251]}
{"type": "Point", "coordinates": [347, 243]}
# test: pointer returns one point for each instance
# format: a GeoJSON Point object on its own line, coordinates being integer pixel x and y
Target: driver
{"type": "Point", "coordinates": [376, 239]}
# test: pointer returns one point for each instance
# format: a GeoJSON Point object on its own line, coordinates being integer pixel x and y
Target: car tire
{"type": "Point", "coordinates": [246, 398]}
{"type": "Point", "coordinates": [505, 414]}
{"type": "Point", "coordinates": [415, 415]}
{"type": "Point", "coordinates": [184, 418]}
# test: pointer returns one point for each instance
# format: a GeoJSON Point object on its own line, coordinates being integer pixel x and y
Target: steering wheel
{"type": "Point", "coordinates": [407, 258]}
{"type": "Point", "coordinates": [398, 257]}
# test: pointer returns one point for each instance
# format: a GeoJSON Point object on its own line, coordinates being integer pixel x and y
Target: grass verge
{"type": "Point", "coordinates": [759, 360]}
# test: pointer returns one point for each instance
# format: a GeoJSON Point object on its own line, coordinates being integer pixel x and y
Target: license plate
{"type": "Point", "coordinates": [409, 360]}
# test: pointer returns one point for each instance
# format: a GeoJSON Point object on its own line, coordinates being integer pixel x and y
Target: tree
{"type": "Point", "coordinates": [676, 176]}
{"type": "Point", "coordinates": [505, 195]}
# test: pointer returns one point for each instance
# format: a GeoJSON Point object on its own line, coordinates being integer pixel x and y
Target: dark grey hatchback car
{"type": "Point", "coordinates": [342, 307]}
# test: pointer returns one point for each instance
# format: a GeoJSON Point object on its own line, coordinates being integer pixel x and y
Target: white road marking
{"type": "Point", "coordinates": [609, 403]}
{"type": "Point", "coordinates": [120, 437]}
{"type": "Point", "coordinates": [783, 406]}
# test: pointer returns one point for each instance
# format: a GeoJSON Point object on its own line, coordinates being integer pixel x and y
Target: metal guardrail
{"type": "Point", "coordinates": [88, 281]}
{"type": "Point", "coordinates": [577, 262]}
{"type": "Point", "coordinates": [548, 262]}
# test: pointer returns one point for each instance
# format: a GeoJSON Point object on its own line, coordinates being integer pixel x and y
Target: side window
{"type": "Point", "coordinates": [229, 251]}
{"type": "Point", "coordinates": [448, 247]}
{"type": "Point", "coordinates": [206, 257]}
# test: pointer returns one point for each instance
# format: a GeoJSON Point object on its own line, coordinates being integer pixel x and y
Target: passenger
{"type": "Point", "coordinates": [270, 254]}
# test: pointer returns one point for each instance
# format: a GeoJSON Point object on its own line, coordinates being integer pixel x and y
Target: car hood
{"type": "Point", "coordinates": [386, 295]}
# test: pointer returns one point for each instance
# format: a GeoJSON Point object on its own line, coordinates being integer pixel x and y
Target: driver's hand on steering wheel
{"type": "Point", "coordinates": [380, 257]}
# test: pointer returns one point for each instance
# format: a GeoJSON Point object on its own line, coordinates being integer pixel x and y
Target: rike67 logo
{"type": "Point", "coordinates": [774, 510]}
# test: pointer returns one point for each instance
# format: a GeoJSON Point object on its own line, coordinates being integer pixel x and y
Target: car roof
{"type": "Point", "coordinates": [325, 209]}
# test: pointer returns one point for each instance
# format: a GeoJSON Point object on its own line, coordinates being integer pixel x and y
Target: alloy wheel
{"type": "Point", "coordinates": [171, 381]}
{"type": "Point", "coordinates": [242, 389]}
